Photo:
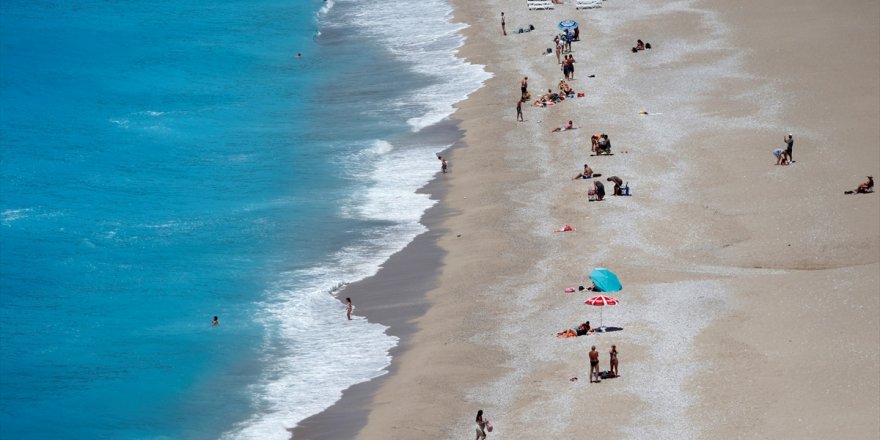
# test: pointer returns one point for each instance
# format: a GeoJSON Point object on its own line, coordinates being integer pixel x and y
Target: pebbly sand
{"type": "Point", "coordinates": [751, 300]}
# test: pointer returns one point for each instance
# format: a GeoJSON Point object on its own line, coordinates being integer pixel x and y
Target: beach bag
{"type": "Point", "coordinates": [647, 45]}
{"type": "Point", "coordinates": [489, 426]}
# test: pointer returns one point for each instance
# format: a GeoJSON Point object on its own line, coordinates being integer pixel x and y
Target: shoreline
{"type": "Point", "coordinates": [714, 284]}
{"type": "Point", "coordinates": [387, 298]}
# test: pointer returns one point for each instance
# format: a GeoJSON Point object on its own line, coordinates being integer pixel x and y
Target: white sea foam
{"type": "Point", "coordinates": [382, 147]}
{"type": "Point", "coordinates": [427, 40]}
{"type": "Point", "coordinates": [315, 353]}
{"type": "Point", "coordinates": [328, 5]}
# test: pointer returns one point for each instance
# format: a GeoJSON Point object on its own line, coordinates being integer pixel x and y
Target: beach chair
{"type": "Point", "coordinates": [588, 4]}
{"type": "Point", "coordinates": [535, 5]}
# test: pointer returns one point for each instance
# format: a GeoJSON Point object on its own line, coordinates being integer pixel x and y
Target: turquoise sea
{"type": "Point", "coordinates": [162, 162]}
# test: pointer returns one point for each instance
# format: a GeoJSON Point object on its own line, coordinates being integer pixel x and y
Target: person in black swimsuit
{"type": "Point", "coordinates": [594, 364]}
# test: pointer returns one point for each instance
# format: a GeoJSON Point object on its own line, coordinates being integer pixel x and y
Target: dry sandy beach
{"type": "Point", "coordinates": [751, 300]}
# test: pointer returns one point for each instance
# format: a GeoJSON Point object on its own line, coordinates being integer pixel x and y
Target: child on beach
{"type": "Point", "coordinates": [569, 126]}
{"type": "Point", "coordinates": [781, 156]}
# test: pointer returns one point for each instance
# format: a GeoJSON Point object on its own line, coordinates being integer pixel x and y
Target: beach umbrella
{"type": "Point", "coordinates": [605, 280]}
{"type": "Point", "coordinates": [568, 24]}
{"type": "Point", "coordinates": [601, 301]}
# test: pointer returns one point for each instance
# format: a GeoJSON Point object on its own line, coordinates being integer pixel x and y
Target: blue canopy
{"type": "Point", "coordinates": [605, 280]}
{"type": "Point", "coordinates": [568, 24]}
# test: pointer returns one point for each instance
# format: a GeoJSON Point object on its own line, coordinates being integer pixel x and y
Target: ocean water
{"type": "Point", "coordinates": [163, 162]}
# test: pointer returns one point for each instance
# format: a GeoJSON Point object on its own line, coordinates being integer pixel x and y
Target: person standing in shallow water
{"type": "Point", "coordinates": [348, 307]}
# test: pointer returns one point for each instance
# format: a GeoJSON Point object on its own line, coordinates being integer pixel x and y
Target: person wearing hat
{"type": "Point", "coordinates": [789, 144]}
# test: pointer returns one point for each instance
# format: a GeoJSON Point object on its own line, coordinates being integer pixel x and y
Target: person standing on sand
{"type": "Point", "coordinates": [613, 367]}
{"type": "Point", "coordinates": [348, 308]}
{"type": "Point", "coordinates": [600, 190]}
{"type": "Point", "coordinates": [519, 115]}
{"type": "Point", "coordinates": [594, 364]}
{"type": "Point", "coordinates": [503, 30]}
{"type": "Point", "coordinates": [789, 145]}
{"type": "Point", "coordinates": [617, 184]}
{"type": "Point", "coordinates": [481, 426]}
{"type": "Point", "coordinates": [524, 87]}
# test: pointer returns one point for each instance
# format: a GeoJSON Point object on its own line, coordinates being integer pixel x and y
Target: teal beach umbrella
{"type": "Point", "coordinates": [605, 280]}
{"type": "Point", "coordinates": [568, 24]}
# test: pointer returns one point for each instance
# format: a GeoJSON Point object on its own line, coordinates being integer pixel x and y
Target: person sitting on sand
{"type": "Point", "coordinates": [867, 186]}
{"type": "Point", "coordinates": [580, 330]}
{"type": "Point", "coordinates": [617, 184]}
{"type": "Point", "coordinates": [563, 86]}
{"type": "Point", "coordinates": [864, 188]}
{"type": "Point", "coordinates": [585, 174]}
{"type": "Point", "coordinates": [569, 126]}
{"type": "Point", "coordinates": [781, 156]}
{"type": "Point", "coordinates": [640, 45]}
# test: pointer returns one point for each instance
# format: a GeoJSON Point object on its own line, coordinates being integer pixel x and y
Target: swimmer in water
{"type": "Point", "coordinates": [215, 322]}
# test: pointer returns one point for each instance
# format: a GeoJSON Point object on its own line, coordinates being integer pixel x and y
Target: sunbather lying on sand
{"type": "Point", "coordinates": [543, 101]}
{"type": "Point", "coordinates": [569, 126]}
{"type": "Point", "coordinates": [581, 330]}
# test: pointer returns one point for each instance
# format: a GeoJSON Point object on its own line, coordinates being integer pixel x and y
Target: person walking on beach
{"type": "Point", "coordinates": [348, 308]}
{"type": "Point", "coordinates": [613, 367]}
{"type": "Point", "coordinates": [481, 426]}
{"type": "Point", "coordinates": [789, 145]}
{"type": "Point", "coordinates": [503, 30]}
{"type": "Point", "coordinates": [558, 52]}
{"type": "Point", "coordinates": [519, 115]}
{"type": "Point", "coordinates": [524, 87]}
{"type": "Point", "coordinates": [594, 365]}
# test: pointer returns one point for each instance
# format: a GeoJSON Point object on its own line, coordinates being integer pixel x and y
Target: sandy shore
{"type": "Point", "coordinates": [751, 306]}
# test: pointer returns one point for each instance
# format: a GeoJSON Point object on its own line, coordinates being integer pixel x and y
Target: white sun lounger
{"type": "Point", "coordinates": [540, 5]}
{"type": "Point", "coordinates": [588, 4]}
